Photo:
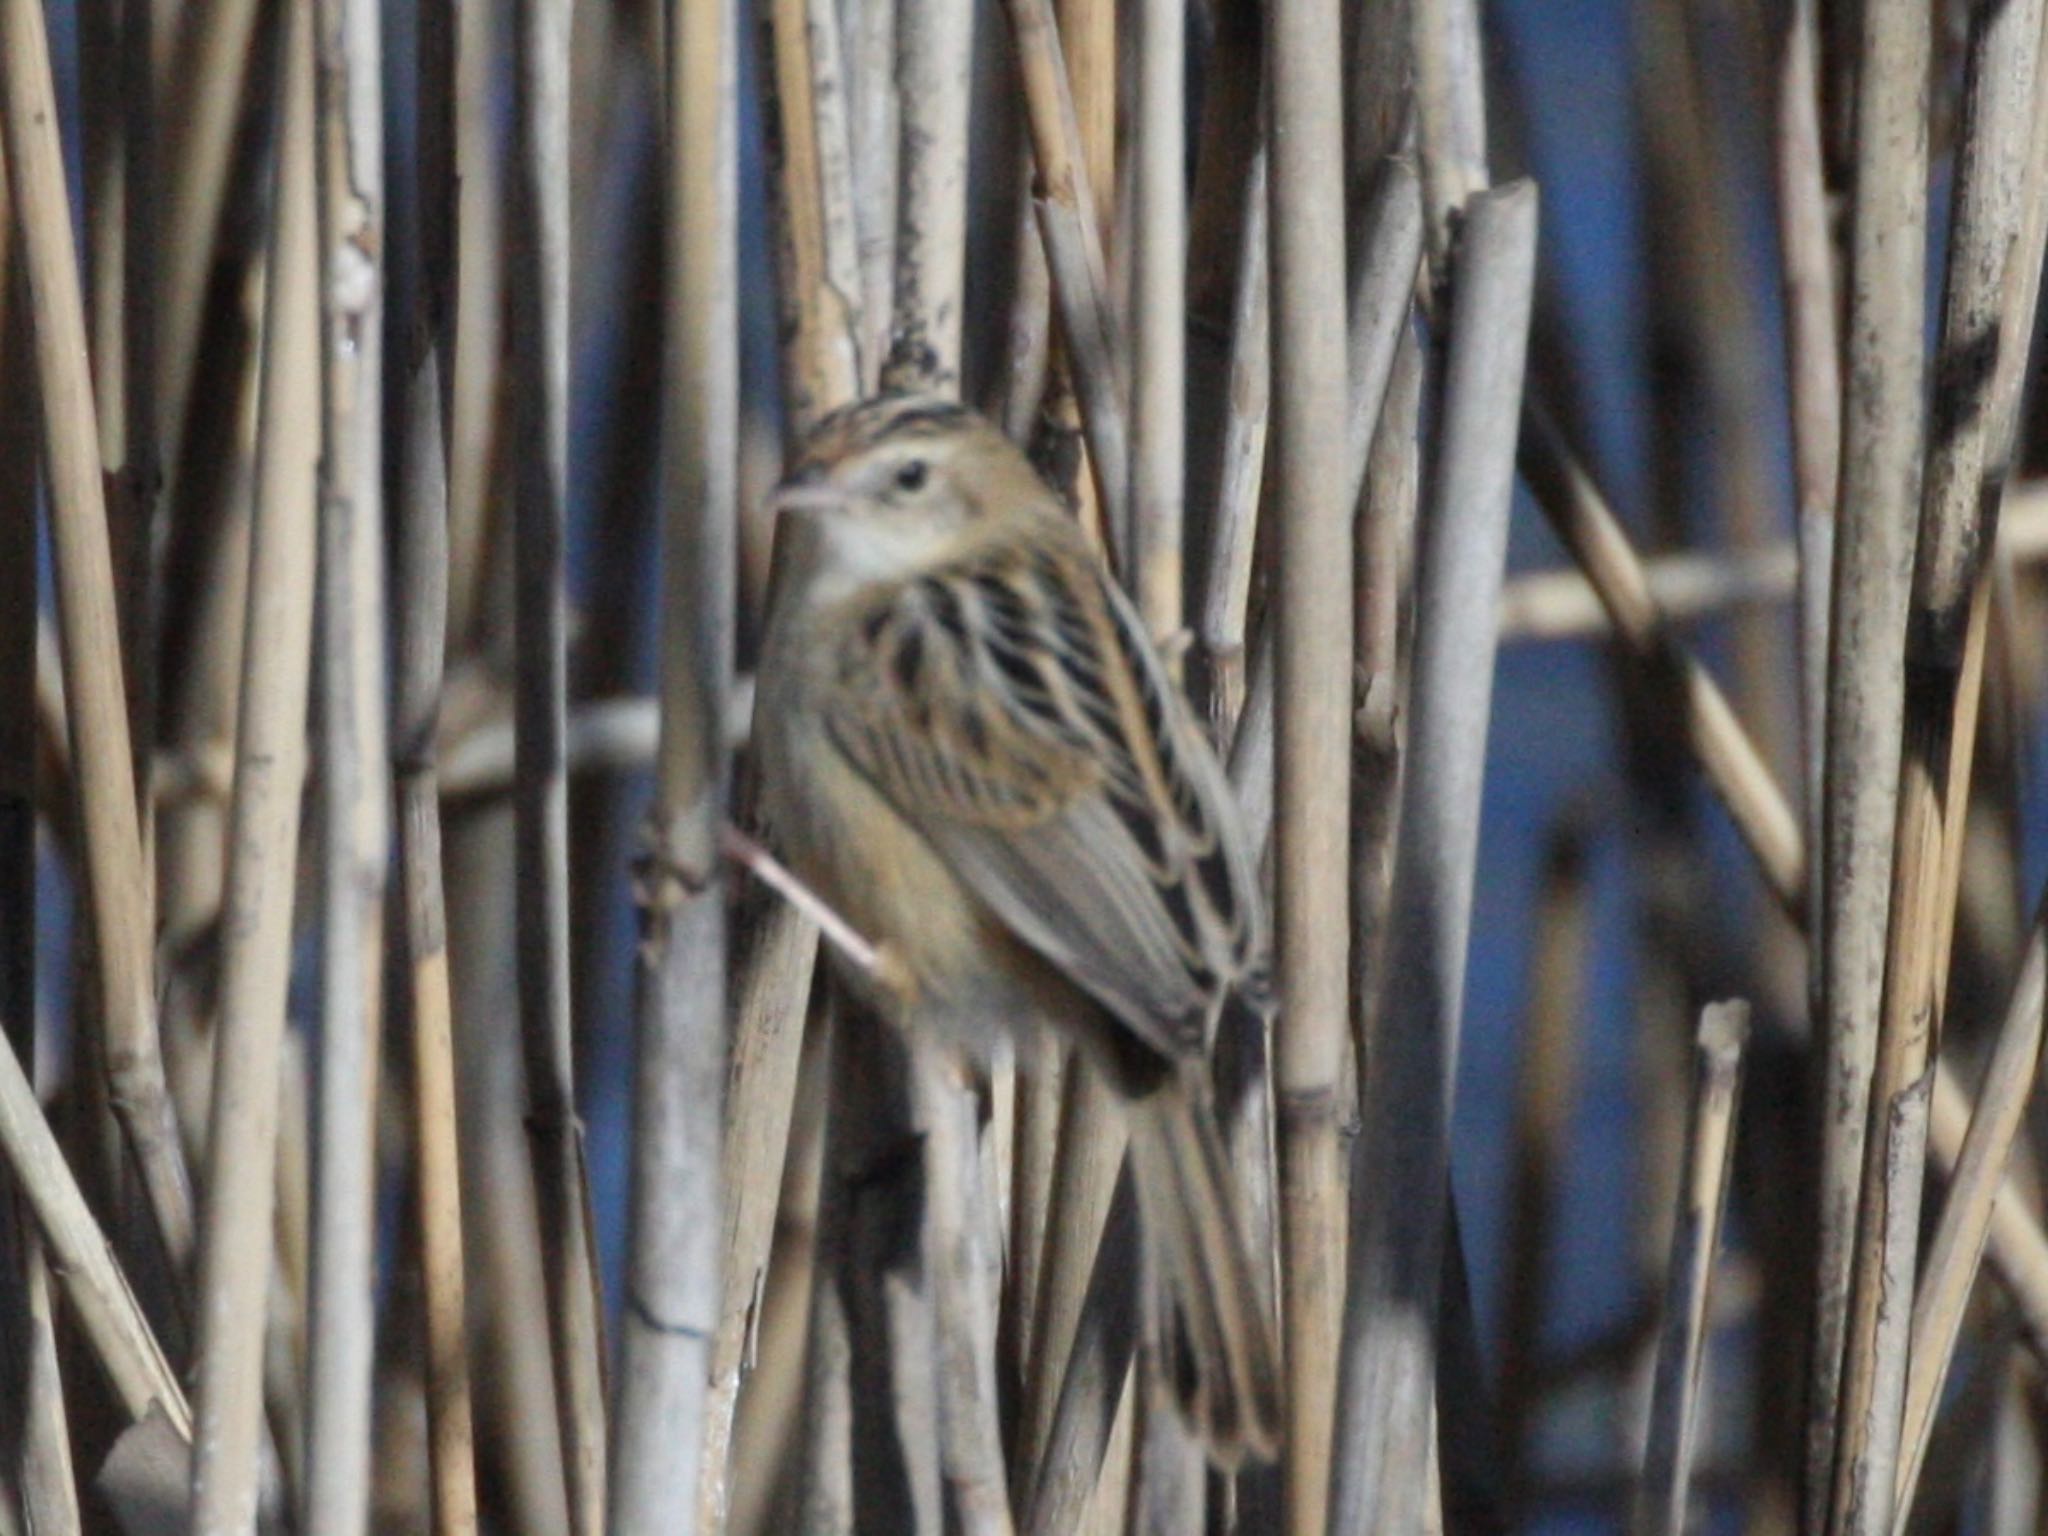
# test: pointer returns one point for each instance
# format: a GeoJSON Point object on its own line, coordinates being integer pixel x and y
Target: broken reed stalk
{"type": "Point", "coordinates": [1382, 1439]}
{"type": "Point", "coordinates": [1958, 1245]}
{"type": "Point", "coordinates": [1729, 760]}
{"type": "Point", "coordinates": [354, 764]}
{"type": "Point", "coordinates": [237, 1251]}
{"type": "Point", "coordinates": [1666, 1487]}
{"type": "Point", "coordinates": [1234, 518]}
{"type": "Point", "coordinates": [672, 1285]}
{"type": "Point", "coordinates": [115, 869]}
{"type": "Point", "coordinates": [1813, 369]}
{"type": "Point", "coordinates": [95, 1289]}
{"type": "Point", "coordinates": [539, 279]}
{"type": "Point", "coordinates": [1069, 225]}
{"type": "Point", "coordinates": [1450, 110]}
{"type": "Point", "coordinates": [1313, 741]}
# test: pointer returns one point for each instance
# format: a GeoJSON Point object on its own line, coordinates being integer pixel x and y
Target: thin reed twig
{"type": "Point", "coordinates": [270, 755]}
{"type": "Point", "coordinates": [1379, 1475]}
{"type": "Point", "coordinates": [1675, 1403]}
{"type": "Point", "coordinates": [1813, 353]}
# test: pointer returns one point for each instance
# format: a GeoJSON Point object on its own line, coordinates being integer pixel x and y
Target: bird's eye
{"type": "Point", "coordinates": [910, 475]}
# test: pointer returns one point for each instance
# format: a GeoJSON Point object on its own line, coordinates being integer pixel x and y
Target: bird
{"type": "Point", "coordinates": [969, 748]}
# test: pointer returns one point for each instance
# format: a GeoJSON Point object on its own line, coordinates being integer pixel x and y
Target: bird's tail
{"type": "Point", "coordinates": [1208, 1327]}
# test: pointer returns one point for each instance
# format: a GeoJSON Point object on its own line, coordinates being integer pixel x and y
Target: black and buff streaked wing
{"type": "Point", "coordinates": [1010, 707]}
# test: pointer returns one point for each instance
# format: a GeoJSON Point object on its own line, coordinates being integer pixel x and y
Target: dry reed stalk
{"type": "Point", "coordinates": [1866, 1473]}
{"type": "Point", "coordinates": [1385, 368]}
{"type": "Point", "coordinates": [1589, 528]}
{"type": "Point", "coordinates": [539, 279]}
{"type": "Point", "coordinates": [1958, 1244]}
{"type": "Point", "coordinates": [1088, 45]}
{"type": "Point", "coordinates": [933, 70]}
{"type": "Point", "coordinates": [1396, 1257]}
{"type": "Point", "coordinates": [868, 47]}
{"type": "Point", "coordinates": [94, 1286]}
{"type": "Point", "coordinates": [270, 756]}
{"type": "Point", "coordinates": [1675, 1405]}
{"type": "Point", "coordinates": [354, 764]}
{"type": "Point", "coordinates": [120, 151]}
{"type": "Point", "coordinates": [1994, 284]}
{"type": "Point", "coordinates": [816, 226]}
{"type": "Point", "coordinates": [420, 568]}
{"type": "Point", "coordinates": [1450, 111]}
{"type": "Point", "coordinates": [209, 67]}
{"type": "Point", "coordinates": [1069, 225]}
{"type": "Point", "coordinates": [1090, 1140]}
{"type": "Point", "coordinates": [49, 1489]}
{"type": "Point", "coordinates": [772, 967]}
{"type": "Point", "coordinates": [476, 409]}
{"type": "Point", "coordinates": [1545, 1095]}
{"type": "Point", "coordinates": [115, 869]}
{"type": "Point", "coordinates": [1813, 367]}
{"type": "Point", "coordinates": [1017, 391]}
{"type": "Point", "coordinates": [1729, 760]}
{"type": "Point", "coordinates": [1098, 1366]}
{"type": "Point", "coordinates": [879, 1467]}
{"type": "Point", "coordinates": [1313, 715]}
{"type": "Point", "coordinates": [1159, 325]}
{"type": "Point", "coordinates": [960, 1230]}
{"type": "Point", "coordinates": [1942, 672]}
{"type": "Point", "coordinates": [1067, 59]}
{"type": "Point", "coordinates": [831, 353]}
{"type": "Point", "coordinates": [1880, 493]}
{"type": "Point", "coordinates": [1234, 518]}
{"type": "Point", "coordinates": [672, 1297]}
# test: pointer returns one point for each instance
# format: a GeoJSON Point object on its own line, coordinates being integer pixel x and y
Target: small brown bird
{"type": "Point", "coordinates": [970, 749]}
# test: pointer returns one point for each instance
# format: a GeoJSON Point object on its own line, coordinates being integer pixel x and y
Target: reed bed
{"type": "Point", "coordinates": [426, 1102]}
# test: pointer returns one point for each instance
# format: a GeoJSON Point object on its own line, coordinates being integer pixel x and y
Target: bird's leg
{"type": "Point", "coordinates": [880, 961]}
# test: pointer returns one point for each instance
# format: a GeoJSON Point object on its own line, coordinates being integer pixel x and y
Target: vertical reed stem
{"type": "Point", "coordinates": [539, 279]}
